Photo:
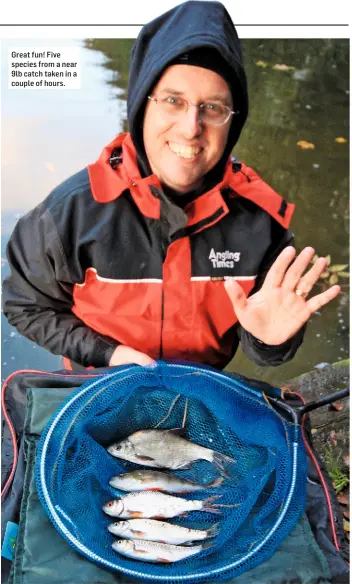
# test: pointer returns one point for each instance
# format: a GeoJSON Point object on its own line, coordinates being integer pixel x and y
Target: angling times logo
{"type": "Point", "coordinates": [224, 259]}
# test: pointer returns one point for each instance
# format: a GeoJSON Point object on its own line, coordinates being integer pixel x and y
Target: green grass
{"type": "Point", "coordinates": [336, 470]}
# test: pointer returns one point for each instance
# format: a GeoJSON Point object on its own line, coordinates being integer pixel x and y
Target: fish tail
{"type": "Point", "coordinates": [207, 545]}
{"type": "Point", "coordinates": [219, 460]}
{"type": "Point", "coordinates": [208, 505]}
{"type": "Point", "coordinates": [214, 530]}
{"type": "Point", "coordinates": [215, 483]}
{"type": "Point", "coordinates": [212, 510]}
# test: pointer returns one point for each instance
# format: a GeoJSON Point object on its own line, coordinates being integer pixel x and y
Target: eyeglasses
{"type": "Point", "coordinates": [214, 114]}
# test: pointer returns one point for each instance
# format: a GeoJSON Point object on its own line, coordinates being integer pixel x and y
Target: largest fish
{"type": "Point", "coordinates": [166, 449]}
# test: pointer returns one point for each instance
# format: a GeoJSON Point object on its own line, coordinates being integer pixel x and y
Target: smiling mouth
{"type": "Point", "coordinates": [184, 151]}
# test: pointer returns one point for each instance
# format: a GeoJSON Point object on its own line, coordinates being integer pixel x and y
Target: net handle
{"type": "Point", "coordinates": [297, 413]}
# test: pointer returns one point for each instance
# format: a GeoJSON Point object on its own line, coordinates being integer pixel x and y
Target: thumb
{"type": "Point", "coordinates": [236, 295]}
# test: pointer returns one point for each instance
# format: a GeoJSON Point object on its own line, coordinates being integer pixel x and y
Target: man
{"type": "Point", "coordinates": [166, 247]}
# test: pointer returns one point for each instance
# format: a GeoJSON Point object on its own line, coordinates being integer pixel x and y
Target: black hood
{"type": "Point", "coordinates": [190, 25]}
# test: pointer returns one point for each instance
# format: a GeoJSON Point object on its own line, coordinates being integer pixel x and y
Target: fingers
{"type": "Point", "coordinates": [320, 300]}
{"type": "Point", "coordinates": [236, 295]}
{"type": "Point", "coordinates": [289, 274]}
{"type": "Point", "coordinates": [277, 271]}
{"type": "Point", "coordinates": [306, 283]}
{"type": "Point", "coordinates": [295, 271]}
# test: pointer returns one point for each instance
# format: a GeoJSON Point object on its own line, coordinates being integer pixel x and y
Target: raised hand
{"type": "Point", "coordinates": [280, 308]}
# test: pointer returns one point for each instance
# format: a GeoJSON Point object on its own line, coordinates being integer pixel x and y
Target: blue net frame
{"type": "Point", "coordinates": [227, 413]}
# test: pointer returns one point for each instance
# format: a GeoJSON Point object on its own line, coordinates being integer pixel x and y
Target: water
{"type": "Point", "coordinates": [49, 135]}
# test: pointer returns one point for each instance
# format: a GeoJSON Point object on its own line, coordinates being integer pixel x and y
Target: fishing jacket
{"type": "Point", "coordinates": [106, 258]}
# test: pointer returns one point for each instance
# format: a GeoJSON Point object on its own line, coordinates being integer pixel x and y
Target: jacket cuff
{"type": "Point", "coordinates": [270, 355]}
{"type": "Point", "coordinates": [103, 352]}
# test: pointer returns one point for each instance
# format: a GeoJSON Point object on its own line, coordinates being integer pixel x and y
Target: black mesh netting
{"type": "Point", "coordinates": [266, 483]}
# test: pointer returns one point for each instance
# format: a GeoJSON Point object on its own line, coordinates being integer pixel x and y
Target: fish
{"type": "Point", "coordinates": [153, 504]}
{"type": "Point", "coordinates": [166, 449]}
{"type": "Point", "coordinates": [153, 480]}
{"type": "Point", "coordinates": [152, 551]}
{"type": "Point", "coordinates": [152, 530]}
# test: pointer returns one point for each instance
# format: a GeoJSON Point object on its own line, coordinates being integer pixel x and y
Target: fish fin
{"type": "Point", "coordinates": [212, 510]}
{"type": "Point", "coordinates": [208, 505]}
{"type": "Point", "coordinates": [177, 431]}
{"type": "Point", "coordinates": [215, 483]}
{"type": "Point", "coordinates": [140, 552]}
{"type": "Point", "coordinates": [214, 530]}
{"type": "Point", "coordinates": [163, 560]}
{"type": "Point", "coordinates": [154, 489]}
{"type": "Point", "coordinates": [211, 500]}
{"type": "Point", "coordinates": [139, 533]}
{"type": "Point", "coordinates": [219, 460]}
{"type": "Point", "coordinates": [186, 466]}
{"type": "Point", "coordinates": [207, 545]}
{"type": "Point", "coordinates": [145, 457]}
{"type": "Point", "coordinates": [136, 514]}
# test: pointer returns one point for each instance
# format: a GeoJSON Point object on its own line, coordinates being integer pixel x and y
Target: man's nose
{"type": "Point", "coordinates": [191, 122]}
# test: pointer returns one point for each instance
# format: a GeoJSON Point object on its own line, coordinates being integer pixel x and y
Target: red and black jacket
{"type": "Point", "coordinates": [107, 259]}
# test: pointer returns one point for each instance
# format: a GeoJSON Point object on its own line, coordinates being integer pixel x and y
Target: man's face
{"type": "Point", "coordinates": [182, 149]}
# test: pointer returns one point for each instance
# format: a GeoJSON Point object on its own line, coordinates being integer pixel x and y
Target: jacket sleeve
{"type": "Point", "coordinates": [255, 350]}
{"type": "Point", "coordinates": [37, 294]}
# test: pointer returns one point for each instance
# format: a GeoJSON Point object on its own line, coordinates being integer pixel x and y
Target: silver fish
{"type": "Point", "coordinates": [152, 530]}
{"type": "Point", "coordinates": [151, 551]}
{"type": "Point", "coordinates": [153, 504]}
{"type": "Point", "coordinates": [153, 480]}
{"type": "Point", "coordinates": [165, 449]}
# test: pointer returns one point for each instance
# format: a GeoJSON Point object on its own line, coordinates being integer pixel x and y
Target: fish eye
{"type": "Point", "coordinates": [118, 447]}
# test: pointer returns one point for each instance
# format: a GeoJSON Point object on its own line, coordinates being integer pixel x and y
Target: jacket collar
{"type": "Point", "coordinates": [108, 184]}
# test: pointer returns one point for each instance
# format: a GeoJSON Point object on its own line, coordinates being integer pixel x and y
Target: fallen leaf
{"type": "Point", "coordinates": [316, 257]}
{"type": "Point", "coordinates": [336, 407]}
{"type": "Point", "coordinates": [333, 438]}
{"type": "Point", "coordinates": [283, 67]}
{"type": "Point", "coordinates": [338, 267]}
{"type": "Point", "coordinates": [346, 525]}
{"type": "Point", "coordinates": [262, 64]}
{"type": "Point", "coordinates": [314, 430]}
{"type": "Point", "coordinates": [346, 514]}
{"type": "Point", "coordinates": [344, 274]}
{"type": "Point", "coordinates": [328, 259]}
{"type": "Point", "coordinates": [342, 499]}
{"type": "Point", "coordinates": [324, 275]}
{"type": "Point", "coordinates": [340, 140]}
{"type": "Point", "coordinates": [347, 460]}
{"type": "Point", "coordinates": [333, 279]}
{"type": "Point", "coordinates": [304, 145]}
